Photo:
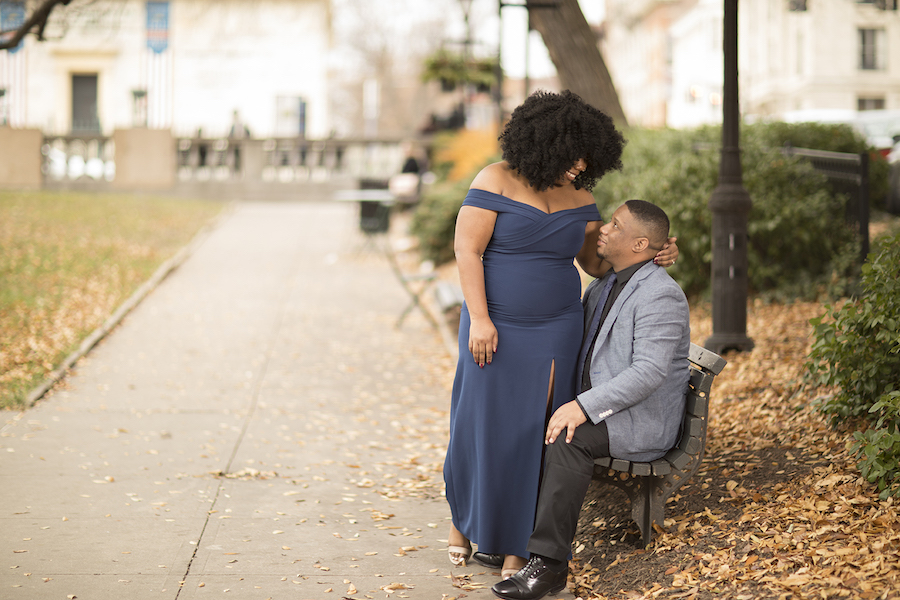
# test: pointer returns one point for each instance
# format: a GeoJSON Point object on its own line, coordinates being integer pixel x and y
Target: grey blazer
{"type": "Point", "coordinates": [639, 368]}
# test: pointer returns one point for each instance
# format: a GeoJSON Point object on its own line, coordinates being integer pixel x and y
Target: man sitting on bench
{"type": "Point", "coordinates": [633, 374]}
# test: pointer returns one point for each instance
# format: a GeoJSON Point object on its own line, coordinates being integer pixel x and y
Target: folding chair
{"type": "Point", "coordinates": [415, 285]}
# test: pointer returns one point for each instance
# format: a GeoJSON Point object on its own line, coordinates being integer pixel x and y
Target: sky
{"type": "Point", "coordinates": [515, 23]}
{"type": "Point", "coordinates": [403, 21]}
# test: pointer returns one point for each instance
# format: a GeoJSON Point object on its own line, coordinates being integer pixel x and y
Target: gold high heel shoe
{"type": "Point", "coordinates": [509, 571]}
{"type": "Point", "coordinates": [462, 553]}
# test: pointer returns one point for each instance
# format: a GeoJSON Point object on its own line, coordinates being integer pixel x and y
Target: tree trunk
{"type": "Point", "coordinates": [573, 49]}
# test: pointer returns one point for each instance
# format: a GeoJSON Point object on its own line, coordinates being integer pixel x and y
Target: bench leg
{"type": "Point", "coordinates": [647, 507]}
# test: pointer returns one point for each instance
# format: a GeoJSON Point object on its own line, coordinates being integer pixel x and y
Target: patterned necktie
{"type": "Point", "coordinates": [586, 349]}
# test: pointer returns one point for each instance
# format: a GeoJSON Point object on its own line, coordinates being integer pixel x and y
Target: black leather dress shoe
{"type": "Point", "coordinates": [535, 580]}
{"type": "Point", "coordinates": [491, 561]}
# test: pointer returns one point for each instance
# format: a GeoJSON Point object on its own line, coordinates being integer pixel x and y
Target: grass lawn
{"type": "Point", "coordinates": [67, 261]}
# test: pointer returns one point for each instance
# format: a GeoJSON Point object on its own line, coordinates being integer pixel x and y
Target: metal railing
{"type": "Point", "coordinates": [78, 157]}
{"type": "Point", "coordinates": [847, 173]}
{"type": "Point", "coordinates": [286, 160]}
{"type": "Point", "coordinates": [275, 162]}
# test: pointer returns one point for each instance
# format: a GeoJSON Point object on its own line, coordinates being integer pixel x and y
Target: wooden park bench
{"type": "Point", "coordinates": [649, 484]}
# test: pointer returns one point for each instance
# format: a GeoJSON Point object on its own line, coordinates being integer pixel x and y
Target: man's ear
{"type": "Point", "coordinates": [640, 245]}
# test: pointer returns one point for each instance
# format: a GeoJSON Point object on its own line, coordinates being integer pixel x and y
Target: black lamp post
{"type": "Point", "coordinates": [730, 204]}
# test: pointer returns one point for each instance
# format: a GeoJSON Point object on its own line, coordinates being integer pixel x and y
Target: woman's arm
{"type": "Point", "coordinates": [666, 257]}
{"type": "Point", "coordinates": [474, 228]}
{"type": "Point", "coordinates": [587, 257]}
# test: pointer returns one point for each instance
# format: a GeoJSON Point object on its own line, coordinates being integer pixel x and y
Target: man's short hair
{"type": "Point", "coordinates": [653, 219]}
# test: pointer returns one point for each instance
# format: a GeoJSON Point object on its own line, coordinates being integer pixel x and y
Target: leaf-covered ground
{"type": "Point", "coordinates": [777, 509]}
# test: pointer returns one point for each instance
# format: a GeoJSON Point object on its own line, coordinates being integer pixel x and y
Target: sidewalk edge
{"type": "Point", "coordinates": [163, 271]}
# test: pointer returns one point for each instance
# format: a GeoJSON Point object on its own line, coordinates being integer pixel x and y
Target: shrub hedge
{"type": "Point", "coordinates": [800, 245]}
{"type": "Point", "coordinates": [857, 351]}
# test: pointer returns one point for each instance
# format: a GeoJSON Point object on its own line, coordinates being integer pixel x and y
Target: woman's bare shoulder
{"type": "Point", "coordinates": [495, 178]}
{"type": "Point", "coordinates": [583, 197]}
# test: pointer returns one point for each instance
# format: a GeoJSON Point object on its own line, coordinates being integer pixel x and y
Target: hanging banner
{"type": "Point", "coordinates": [158, 26]}
{"type": "Point", "coordinates": [12, 16]}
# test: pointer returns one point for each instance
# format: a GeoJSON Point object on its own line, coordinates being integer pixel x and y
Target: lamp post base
{"type": "Point", "coordinates": [722, 342]}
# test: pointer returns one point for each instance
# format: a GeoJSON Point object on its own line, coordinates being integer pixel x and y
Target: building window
{"type": "Point", "coordinates": [870, 104]}
{"type": "Point", "coordinates": [290, 116]}
{"type": "Point", "coordinates": [797, 5]}
{"type": "Point", "coordinates": [871, 51]}
{"type": "Point", "coordinates": [880, 4]}
{"type": "Point", "coordinates": [139, 108]}
{"type": "Point", "coordinates": [84, 104]}
{"type": "Point", "coordinates": [4, 111]}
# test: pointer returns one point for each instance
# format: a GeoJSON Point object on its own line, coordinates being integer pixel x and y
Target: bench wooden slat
{"type": "Point", "coordinates": [448, 295]}
{"type": "Point", "coordinates": [693, 426]}
{"type": "Point", "coordinates": [678, 459]}
{"type": "Point", "coordinates": [691, 445]}
{"type": "Point", "coordinates": [701, 383]}
{"type": "Point", "coordinates": [641, 469]}
{"type": "Point", "coordinates": [603, 461]}
{"type": "Point", "coordinates": [696, 379]}
{"type": "Point", "coordinates": [661, 467]}
{"type": "Point", "coordinates": [706, 359]}
{"type": "Point", "coordinates": [695, 405]}
{"type": "Point", "coordinates": [620, 465]}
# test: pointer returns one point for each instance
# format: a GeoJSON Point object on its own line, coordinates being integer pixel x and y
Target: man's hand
{"type": "Point", "coordinates": [568, 417]}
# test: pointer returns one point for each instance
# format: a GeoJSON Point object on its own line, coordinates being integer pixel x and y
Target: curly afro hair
{"type": "Point", "coordinates": [548, 132]}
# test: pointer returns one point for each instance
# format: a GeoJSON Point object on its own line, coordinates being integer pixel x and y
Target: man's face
{"type": "Point", "coordinates": [617, 236]}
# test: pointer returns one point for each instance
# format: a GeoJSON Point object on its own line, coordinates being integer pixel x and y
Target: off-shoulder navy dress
{"type": "Point", "coordinates": [498, 413]}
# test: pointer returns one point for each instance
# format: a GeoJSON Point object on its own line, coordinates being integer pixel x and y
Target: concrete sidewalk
{"type": "Point", "coordinates": [256, 428]}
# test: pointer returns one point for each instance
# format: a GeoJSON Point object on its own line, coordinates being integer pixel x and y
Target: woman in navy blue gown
{"type": "Point", "coordinates": [521, 225]}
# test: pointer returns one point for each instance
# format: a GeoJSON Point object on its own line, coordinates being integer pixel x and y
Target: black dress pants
{"type": "Point", "coordinates": [568, 469]}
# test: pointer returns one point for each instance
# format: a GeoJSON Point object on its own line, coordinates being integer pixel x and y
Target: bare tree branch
{"type": "Point", "coordinates": [35, 24]}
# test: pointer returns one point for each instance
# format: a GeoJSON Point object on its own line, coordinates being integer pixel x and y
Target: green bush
{"type": "Point", "coordinates": [798, 238]}
{"type": "Point", "coordinates": [858, 353]}
{"type": "Point", "coordinates": [457, 158]}
{"type": "Point", "coordinates": [434, 221]}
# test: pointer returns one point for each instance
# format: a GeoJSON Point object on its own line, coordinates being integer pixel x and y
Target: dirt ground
{"type": "Point", "coordinates": [610, 537]}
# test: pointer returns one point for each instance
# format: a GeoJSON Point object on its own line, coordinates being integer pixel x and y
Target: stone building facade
{"type": "Point", "coordinates": [665, 57]}
{"type": "Point", "coordinates": [184, 65]}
